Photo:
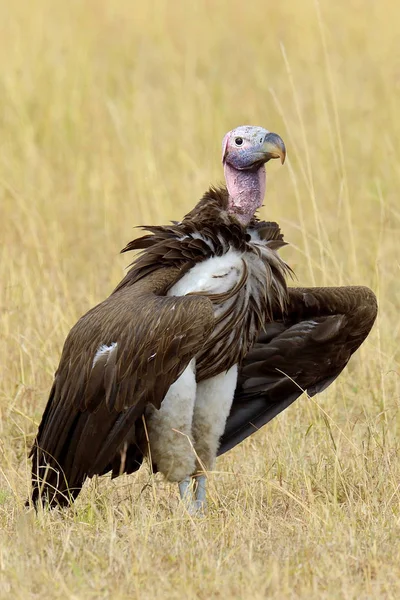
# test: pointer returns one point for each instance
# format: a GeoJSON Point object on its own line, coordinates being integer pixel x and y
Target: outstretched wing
{"type": "Point", "coordinates": [306, 350]}
{"type": "Point", "coordinates": [122, 355]}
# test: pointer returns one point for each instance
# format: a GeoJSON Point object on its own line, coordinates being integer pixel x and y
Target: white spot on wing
{"type": "Point", "coordinates": [103, 350]}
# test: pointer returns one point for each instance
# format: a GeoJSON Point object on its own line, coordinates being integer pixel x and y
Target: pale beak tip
{"type": "Point", "coordinates": [274, 147]}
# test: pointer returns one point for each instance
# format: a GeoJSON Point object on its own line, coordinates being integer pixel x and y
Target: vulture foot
{"type": "Point", "coordinates": [192, 491]}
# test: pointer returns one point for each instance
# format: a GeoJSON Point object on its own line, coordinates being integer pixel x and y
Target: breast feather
{"type": "Point", "coordinates": [215, 275]}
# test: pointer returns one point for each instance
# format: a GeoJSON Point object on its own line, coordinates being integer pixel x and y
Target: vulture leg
{"type": "Point", "coordinates": [185, 490]}
{"type": "Point", "coordinates": [214, 398]}
{"type": "Point", "coordinates": [211, 409]}
{"type": "Point", "coordinates": [192, 491]}
{"type": "Point", "coordinates": [170, 429]}
{"type": "Point", "coordinates": [213, 403]}
{"type": "Point", "coordinates": [189, 493]}
{"type": "Point", "coordinates": [200, 502]}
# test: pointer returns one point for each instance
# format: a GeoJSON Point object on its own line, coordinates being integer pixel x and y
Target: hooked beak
{"type": "Point", "coordinates": [273, 147]}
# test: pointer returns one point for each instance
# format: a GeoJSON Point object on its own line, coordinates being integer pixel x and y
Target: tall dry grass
{"type": "Point", "coordinates": [111, 116]}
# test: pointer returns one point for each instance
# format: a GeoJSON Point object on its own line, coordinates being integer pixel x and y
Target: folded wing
{"type": "Point", "coordinates": [122, 355]}
{"type": "Point", "coordinates": [305, 351]}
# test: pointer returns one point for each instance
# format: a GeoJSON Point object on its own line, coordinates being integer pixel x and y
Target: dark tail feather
{"type": "Point", "coordinates": [50, 485]}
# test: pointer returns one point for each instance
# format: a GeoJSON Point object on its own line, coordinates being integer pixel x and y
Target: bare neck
{"type": "Point", "coordinates": [246, 192]}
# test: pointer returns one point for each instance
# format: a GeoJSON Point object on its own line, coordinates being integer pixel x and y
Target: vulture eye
{"type": "Point", "coordinates": [239, 141]}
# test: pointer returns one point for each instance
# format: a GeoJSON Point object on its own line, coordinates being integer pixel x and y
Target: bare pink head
{"type": "Point", "coordinates": [245, 150]}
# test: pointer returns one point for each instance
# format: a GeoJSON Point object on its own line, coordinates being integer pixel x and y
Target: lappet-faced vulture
{"type": "Point", "coordinates": [199, 346]}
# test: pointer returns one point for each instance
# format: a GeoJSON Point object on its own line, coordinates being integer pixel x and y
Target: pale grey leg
{"type": "Point", "coordinates": [201, 500]}
{"type": "Point", "coordinates": [185, 490]}
{"type": "Point", "coordinates": [195, 502]}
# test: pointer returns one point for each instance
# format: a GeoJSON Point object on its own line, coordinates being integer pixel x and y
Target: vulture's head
{"type": "Point", "coordinates": [245, 150]}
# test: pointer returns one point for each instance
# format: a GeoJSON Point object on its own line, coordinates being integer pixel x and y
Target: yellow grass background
{"type": "Point", "coordinates": [111, 116]}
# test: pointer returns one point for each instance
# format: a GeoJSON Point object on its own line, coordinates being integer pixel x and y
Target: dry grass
{"type": "Point", "coordinates": [111, 116]}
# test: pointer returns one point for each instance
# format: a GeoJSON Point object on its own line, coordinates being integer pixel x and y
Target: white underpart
{"type": "Point", "coordinates": [103, 350]}
{"type": "Point", "coordinates": [190, 422]}
{"type": "Point", "coordinates": [170, 428]}
{"type": "Point", "coordinates": [213, 403]}
{"type": "Point", "coordinates": [192, 416]}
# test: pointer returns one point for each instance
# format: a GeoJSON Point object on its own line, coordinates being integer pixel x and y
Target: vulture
{"type": "Point", "coordinates": [200, 345]}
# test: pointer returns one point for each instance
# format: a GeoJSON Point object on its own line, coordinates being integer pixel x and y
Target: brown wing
{"type": "Point", "coordinates": [305, 351]}
{"type": "Point", "coordinates": [145, 342]}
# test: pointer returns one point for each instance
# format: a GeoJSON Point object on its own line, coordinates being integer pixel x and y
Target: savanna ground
{"type": "Point", "coordinates": [111, 116]}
